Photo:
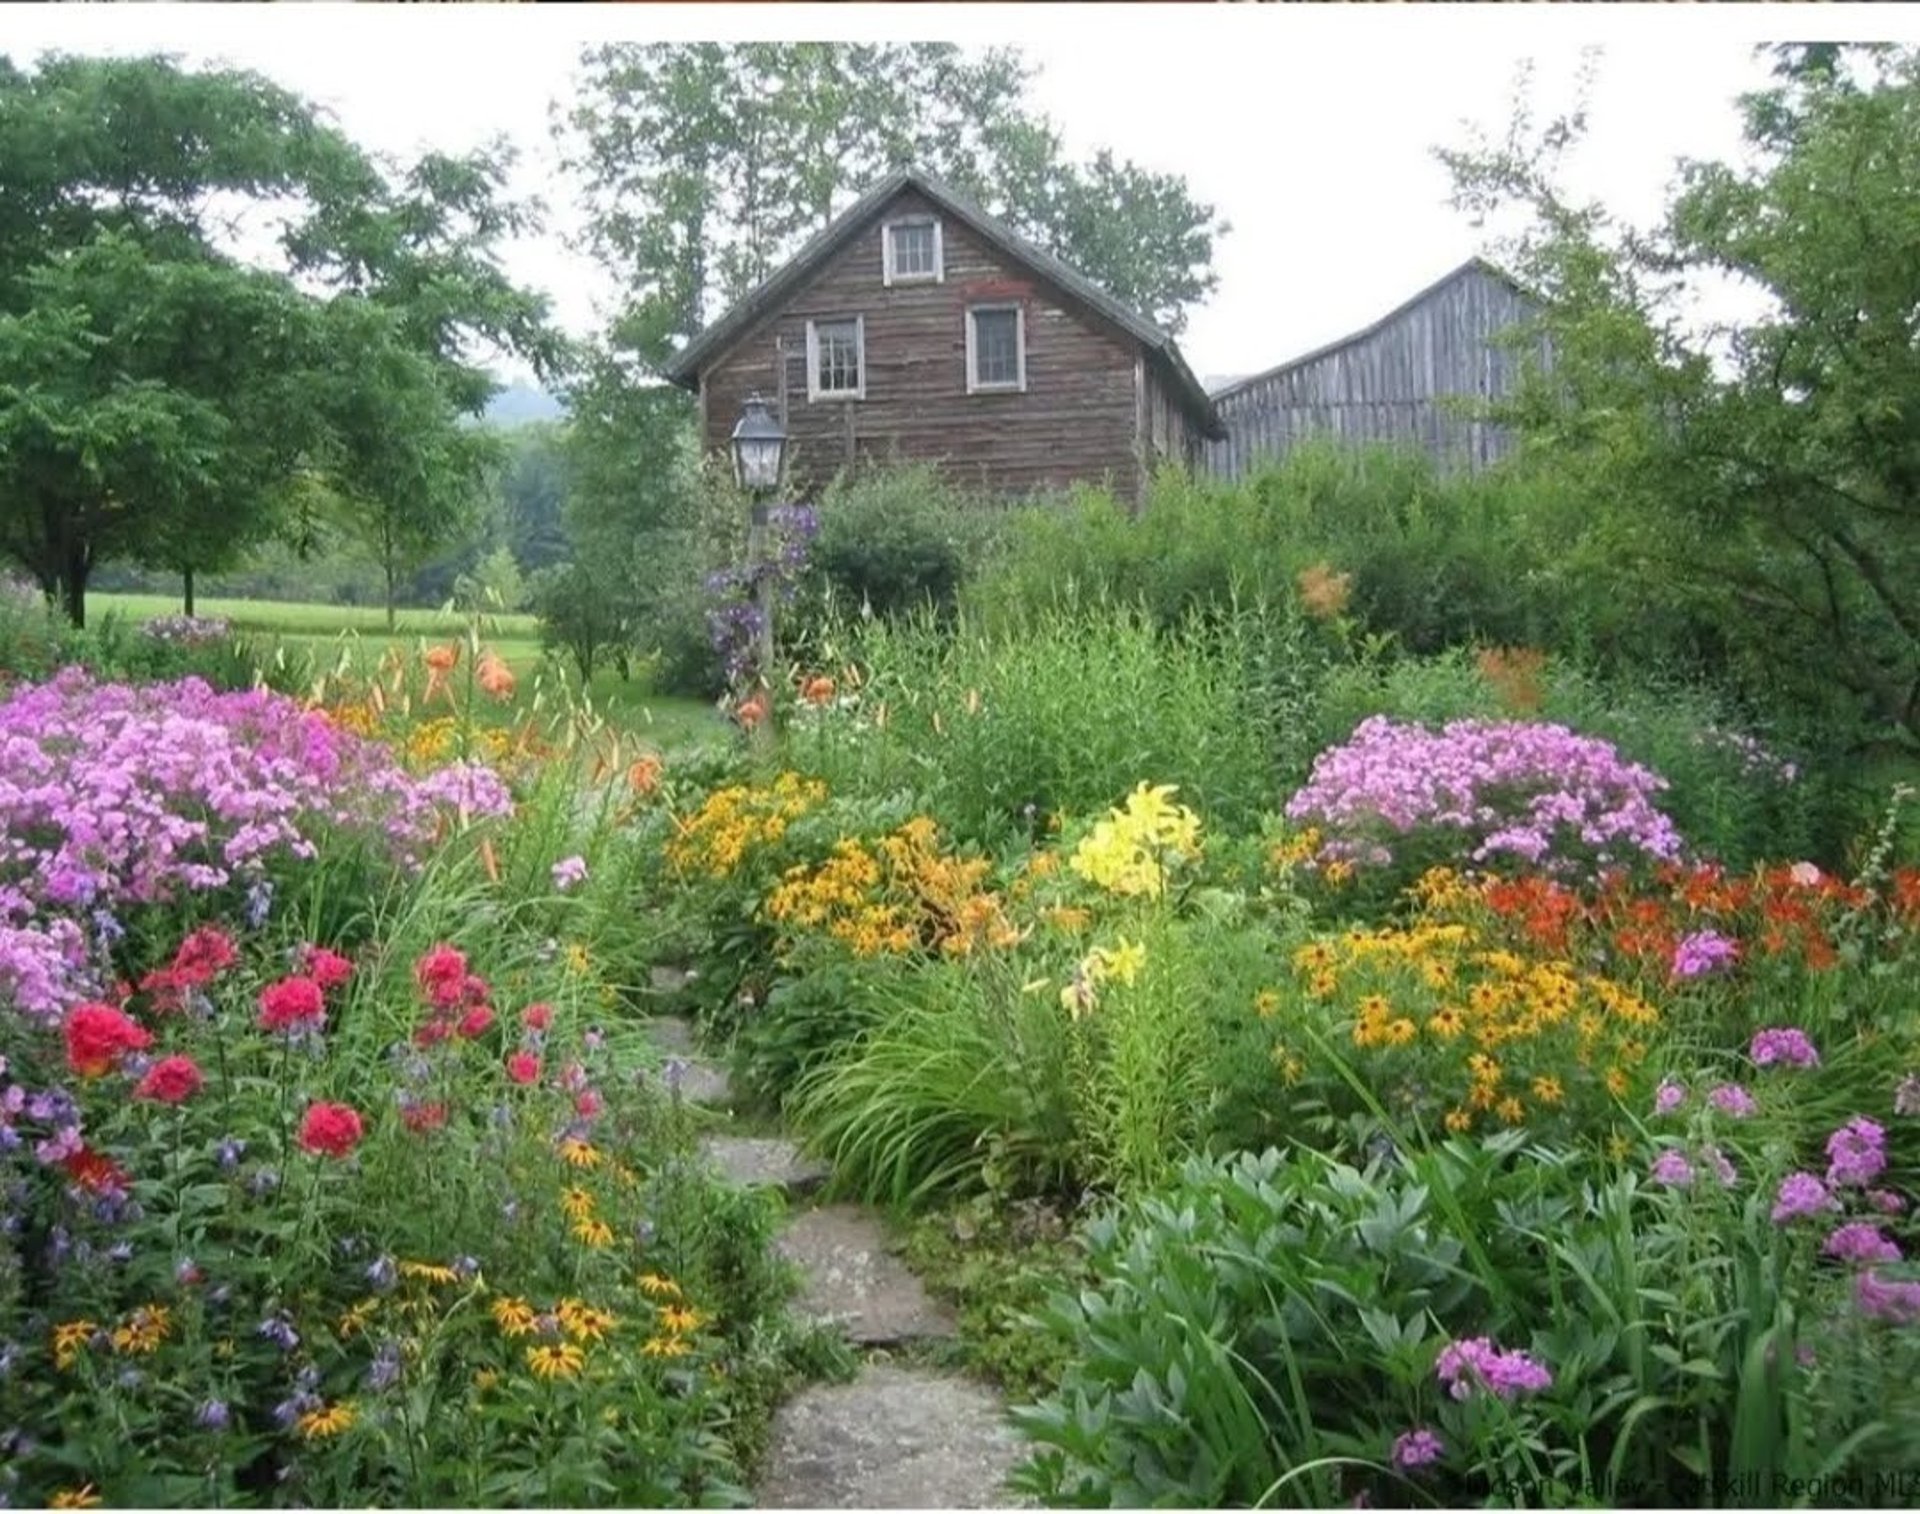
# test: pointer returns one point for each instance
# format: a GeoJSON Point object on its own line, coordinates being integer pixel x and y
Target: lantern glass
{"type": "Point", "coordinates": [758, 442]}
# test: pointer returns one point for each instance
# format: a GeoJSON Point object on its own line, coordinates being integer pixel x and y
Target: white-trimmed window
{"type": "Point", "coordinates": [837, 359]}
{"type": "Point", "coordinates": [911, 251]}
{"type": "Point", "coordinates": [996, 348]}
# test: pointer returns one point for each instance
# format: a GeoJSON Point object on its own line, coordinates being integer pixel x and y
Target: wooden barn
{"type": "Point", "coordinates": [1389, 382]}
{"type": "Point", "coordinates": [917, 328]}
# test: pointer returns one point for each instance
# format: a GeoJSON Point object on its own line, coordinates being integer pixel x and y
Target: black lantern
{"type": "Point", "coordinates": [758, 442]}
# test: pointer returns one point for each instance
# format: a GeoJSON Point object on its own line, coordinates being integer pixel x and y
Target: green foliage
{"type": "Point", "coordinates": [1265, 1328]}
{"type": "Point", "coordinates": [149, 364]}
{"type": "Point", "coordinates": [1762, 475]}
{"type": "Point", "coordinates": [995, 735]}
{"type": "Point", "coordinates": [898, 540]}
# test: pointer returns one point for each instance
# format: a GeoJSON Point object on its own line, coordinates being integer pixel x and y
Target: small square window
{"type": "Point", "coordinates": [996, 348]}
{"type": "Point", "coordinates": [913, 252]}
{"type": "Point", "coordinates": [836, 359]}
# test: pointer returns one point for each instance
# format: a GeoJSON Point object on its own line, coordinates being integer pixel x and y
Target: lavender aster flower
{"type": "Point", "coordinates": [382, 1273]}
{"type": "Point", "coordinates": [1417, 1448]}
{"type": "Point", "coordinates": [1732, 1099]}
{"type": "Point", "coordinates": [1857, 1154]}
{"type": "Point", "coordinates": [1671, 1169]}
{"type": "Point", "coordinates": [1703, 952]}
{"type": "Point", "coordinates": [1783, 1044]}
{"type": "Point", "coordinates": [212, 1415]}
{"type": "Point", "coordinates": [569, 872]}
{"type": "Point", "coordinates": [1669, 1096]}
{"type": "Point", "coordinates": [1801, 1196]}
{"type": "Point", "coordinates": [1860, 1241]}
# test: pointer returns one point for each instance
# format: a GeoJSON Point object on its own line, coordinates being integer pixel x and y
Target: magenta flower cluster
{"type": "Point", "coordinates": [114, 797]}
{"type": "Point", "coordinates": [1783, 1044]}
{"type": "Point", "coordinates": [1465, 1365]}
{"type": "Point", "coordinates": [1703, 952]}
{"type": "Point", "coordinates": [1856, 1154]}
{"type": "Point", "coordinates": [1513, 791]}
{"type": "Point", "coordinates": [1417, 1448]}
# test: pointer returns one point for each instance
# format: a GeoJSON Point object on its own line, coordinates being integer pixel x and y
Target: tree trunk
{"type": "Point", "coordinates": [75, 587]}
{"type": "Point", "coordinates": [390, 591]}
{"type": "Point", "coordinates": [186, 592]}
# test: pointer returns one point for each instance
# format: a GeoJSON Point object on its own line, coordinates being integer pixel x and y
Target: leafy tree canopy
{"type": "Point", "coordinates": [211, 300]}
{"type": "Point", "coordinates": [1766, 467]}
{"type": "Point", "coordinates": [707, 164]}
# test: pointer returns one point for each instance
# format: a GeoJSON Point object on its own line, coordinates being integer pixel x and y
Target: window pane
{"type": "Point", "coordinates": [839, 347]}
{"type": "Point", "coordinates": [913, 250]}
{"type": "Point", "coordinates": [996, 346]}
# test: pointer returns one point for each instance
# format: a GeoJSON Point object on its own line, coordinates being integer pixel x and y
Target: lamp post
{"type": "Point", "coordinates": [759, 444]}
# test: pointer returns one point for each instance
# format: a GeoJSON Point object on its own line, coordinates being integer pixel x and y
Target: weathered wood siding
{"type": "Point", "coordinates": [1074, 422]}
{"type": "Point", "coordinates": [1387, 384]}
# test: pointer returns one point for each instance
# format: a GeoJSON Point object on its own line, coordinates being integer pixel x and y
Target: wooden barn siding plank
{"type": "Point", "coordinates": [1075, 421]}
{"type": "Point", "coordinates": [1387, 387]}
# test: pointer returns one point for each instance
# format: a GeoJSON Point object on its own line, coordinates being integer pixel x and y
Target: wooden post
{"type": "Point", "coordinates": [758, 556]}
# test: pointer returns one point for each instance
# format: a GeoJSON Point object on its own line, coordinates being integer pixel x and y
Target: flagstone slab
{"type": "Point", "coordinates": [754, 1161]}
{"type": "Point", "coordinates": [854, 1280]}
{"type": "Point", "coordinates": [894, 1438]}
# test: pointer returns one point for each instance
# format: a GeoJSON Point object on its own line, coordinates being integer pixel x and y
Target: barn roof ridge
{"type": "Point", "coordinates": [1476, 263]}
{"type": "Point", "coordinates": [765, 296]}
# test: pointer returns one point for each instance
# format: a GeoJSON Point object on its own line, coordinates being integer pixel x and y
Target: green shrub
{"type": "Point", "coordinates": [899, 540]}
{"type": "Point", "coordinates": [1264, 1330]}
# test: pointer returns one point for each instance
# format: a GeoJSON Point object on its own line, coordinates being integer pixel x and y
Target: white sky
{"type": "Point", "coordinates": [1309, 127]}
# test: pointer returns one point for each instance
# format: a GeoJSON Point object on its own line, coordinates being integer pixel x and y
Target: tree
{"type": "Point", "coordinates": [170, 402]}
{"type": "Point", "coordinates": [705, 165]}
{"type": "Point", "coordinates": [533, 492]}
{"type": "Point", "coordinates": [1767, 468]}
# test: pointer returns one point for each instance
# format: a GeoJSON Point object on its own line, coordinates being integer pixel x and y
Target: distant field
{"type": "Point", "coordinates": [306, 619]}
{"type": "Point", "coordinates": [337, 636]}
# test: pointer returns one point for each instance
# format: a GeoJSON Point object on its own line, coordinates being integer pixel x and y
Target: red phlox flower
{"type": "Point", "coordinates": [204, 955]}
{"type": "Point", "coordinates": [98, 1035]}
{"type": "Point", "coordinates": [476, 1022]}
{"type": "Point", "coordinates": [327, 968]}
{"type": "Point", "coordinates": [588, 1103]}
{"type": "Point", "coordinates": [94, 1172]}
{"type": "Point", "coordinates": [331, 1130]}
{"type": "Point", "coordinates": [437, 966]}
{"type": "Point", "coordinates": [432, 1032]}
{"type": "Point", "coordinates": [537, 1016]}
{"type": "Point", "coordinates": [523, 1067]}
{"type": "Point", "coordinates": [421, 1118]}
{"type": "Point", "coordinates": [171, 1080]}
{"type": "Point", "coordinates": [166, 990]}
{"type": "Point", "coordinates": [292, 1004]}
{"type": "Point", "coordinates": [573, 1077]}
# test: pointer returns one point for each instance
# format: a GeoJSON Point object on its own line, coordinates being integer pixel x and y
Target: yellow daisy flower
{"type": "Point", "coordinates": [432, 1272]}
{"type": "Point", "coordinates": [680, 1319]}
{"type": "Point", "coordinates": [143, 1332]}
{"type": "Point", "coordinates": [576, 1153]}
{"type": "Point", "coordinates": [593, 1233]}
{"type": "Point", "coordinates": [582, 1321]}
{"type": "Point", "coordinates": [577, 1204]}
{"type": "Point", "coordinates": [319, 1424]}
{"type": "Point", "coordinates": [514, 1316]}
{"type": "Point", "coordinates": [82, 1497]}
{"type": "Point", "coordinates": [665, 1345]}
{"type": "Point", "coordinates": [563, 1360]}
{"type": "Point", "coordinates": [70, 1339]}
{"type": "Point", "coordinates": [655, 1286]}
{"type": "Point", "coordinates": [354, 1321]}
{"type": "Point", "coordinates": [485, 1380]}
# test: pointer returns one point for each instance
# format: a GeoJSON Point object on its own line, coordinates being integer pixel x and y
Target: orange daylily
{"type": "Point", "coordinates": [494, 676]}
{"type": "Point", "coordinates": [753, 711]}
{"type": "Point", "coordinates": [643, 777]}
{"type": "Point", "coordinates": [817, 690]}
{"type": "Point", "coordinates": [440, 662]}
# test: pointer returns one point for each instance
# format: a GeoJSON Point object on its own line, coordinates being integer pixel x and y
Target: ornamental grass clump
{"type": "Point", "coordinates": [1505, 796]}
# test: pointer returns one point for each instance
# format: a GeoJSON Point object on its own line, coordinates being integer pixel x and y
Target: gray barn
{"type": "Point", "coordinates": [1386, 382]}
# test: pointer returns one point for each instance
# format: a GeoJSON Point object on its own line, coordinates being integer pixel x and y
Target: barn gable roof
{"type": "Point", "coordinates": [773, 291]}
{"type": "Point", "coordinates": [1473, 265]}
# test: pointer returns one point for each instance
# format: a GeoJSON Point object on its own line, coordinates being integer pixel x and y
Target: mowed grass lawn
{"type": "Point", "coordinates": [353, 638]}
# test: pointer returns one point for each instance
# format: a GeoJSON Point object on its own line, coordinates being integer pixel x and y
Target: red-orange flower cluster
{"type": "Point", "coordinates": [98, 1036]}
{"type": "Point", "coordinates": [330, 1130]}
{"type": "Point", "coordinates": [171, 1080]}
{"type": "Point", "coordinates": [293, 1006]}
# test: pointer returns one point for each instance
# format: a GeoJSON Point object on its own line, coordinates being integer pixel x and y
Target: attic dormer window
{"type": "Point", "coordinates": [912, 251]}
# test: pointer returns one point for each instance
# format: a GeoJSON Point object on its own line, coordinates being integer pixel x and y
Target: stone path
{"type": "Point", "coordinates": [895, 1437]}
